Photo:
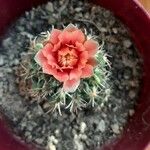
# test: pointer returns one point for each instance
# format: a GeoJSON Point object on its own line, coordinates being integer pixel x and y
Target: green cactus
{"type": "Point", "coordinates": [47, 91]}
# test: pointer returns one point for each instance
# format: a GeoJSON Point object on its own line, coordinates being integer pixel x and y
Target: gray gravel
{"type": "Point", "coordinates": [90, 128]}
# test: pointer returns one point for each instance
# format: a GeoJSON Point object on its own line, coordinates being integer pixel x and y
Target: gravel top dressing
{"type": "Point", "coordinates": [89, 128]}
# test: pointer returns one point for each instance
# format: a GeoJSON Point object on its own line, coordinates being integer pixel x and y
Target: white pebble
{"type": "Point", "coordinates": [78, 143]}
{"type": "Point", "coordinates": [82, 127]}
{"type": "Point", "coordinates": [51, 146]}
{"type": "Point", "coordinates": [49, 7]}
{"type": "Point", "coordinates": [131, 112]}
{"type": "Point", "coordinates": [127, 43]}
{"type": "Point", "coordinates": [83, 136]}
{"type": "Point", "coordinates": [101, 126]}
{"type": "Point", "coordinates": [52, 139]}
{"type": "Point", "coordinates": [1, 60]}
{"type": "Point", "coordinates": [115, 128]}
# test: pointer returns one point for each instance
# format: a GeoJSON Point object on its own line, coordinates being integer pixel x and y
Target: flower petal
{"type": "Point", "coordinates": [52, 61]}
{"type": "Point", "coordinates": [87, 71]}
{"type": "Point", "coordinates": [65, 37]}
{"type": "Point", "coordinates": [77, 36]}
{"type": "Point", "coordinates": [61, 76]}
{"type": "Point", "coordinates": [71, 37]}
{"type": "Point", "coordinates": [54, 36]}
{"type": "Point", "coordinates": [92, 61]}
{"type": "Point", "coordinates": [39, 58]}
{"type": "Point", "coordinates": [70, 28]}
{"type": "Point", "coordinates": [83, 59]}
{"type": "Point", "coordinates": [71, 85]}
{"type": "Point", "coordinates": [51, 58]}
{"type": "Point", "coordinates": [47, 49]}
{"type": "Point", "coordinates": [47, 69]}
{"type": "Point", "coordinates": [75, 74]}
{"type": "Point", "coordinates": [80, 46]}
{"type": "Point", "coordinates": [56, 46]}
{"type": "Point", "coordinates": [91, 46]}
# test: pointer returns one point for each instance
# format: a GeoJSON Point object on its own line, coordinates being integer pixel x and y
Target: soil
{"type": "Point", "coordinates": [89, 128]}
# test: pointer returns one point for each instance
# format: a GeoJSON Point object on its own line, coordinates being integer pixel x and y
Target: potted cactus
{"type": "Point", "coordinates": [76, 80]}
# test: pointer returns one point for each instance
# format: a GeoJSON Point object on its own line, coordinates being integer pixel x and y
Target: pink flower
{"type": "Point", "coordinates": [68, 56]}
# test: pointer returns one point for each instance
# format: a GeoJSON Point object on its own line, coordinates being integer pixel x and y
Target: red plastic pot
{"type": "Point", "coordinates": [136, 135]}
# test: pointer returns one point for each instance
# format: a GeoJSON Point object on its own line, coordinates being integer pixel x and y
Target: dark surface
{"type": "Point", "coordinates": [137, 133]}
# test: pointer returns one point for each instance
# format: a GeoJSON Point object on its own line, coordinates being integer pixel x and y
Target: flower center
{"type": "Point", "coordinates": [67, 57]}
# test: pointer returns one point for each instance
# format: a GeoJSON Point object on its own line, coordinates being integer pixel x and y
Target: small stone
{"type": "Point", "coordinates": [23, 125]}
{"type": "Point", "coordinates": [97, 139]}
{"type": "Point", "coordinates": [131, 112]}
{"type": "Point", "coordinates": [16, 62]}
{"type": "Point", "coordinates": [103, 29]}
{"type": "Point", "coordinates": [51, 20]}
{"type": "Point", "coordinates": [50, 7]}
{"type": "Point", "coordinates": [86, 15]}
{"type": "Point", "coordinates": [15, 119]}
{"type": "Point", "coordinates": [115, 30]}
{"type": "Point", "coordinates": [101, 126]}
{"type": "Point", "coordinates": [102, 105]}
{"type": "Point", "coordinates": [1, 89]}
{"type": "Point", "coordinates": [78, 143]}
{"type": "Point", "coordinates": [82, 127]}
{"type": "Point", "coordinates": [1, 74]}
{"type": "Point", "coordinates": [112, 22]}
{"type": "Point", "coordinates": [39, 140]}
{"type": "Point", "coordinates": [106, 14]}
{"type": "Point", "coordinates": [78, 9]}
{"type": "Point", "coordinates": [30, 127]}
{"type": "Point", "coordinates": [51, 146]}
{"type": "Point", "coordinates": [52, 139]}
{"type": "Point", "coordinates": [113, 39]}
{"type": "Point", "coordinates": [83, 136]}
{"type": "Point", "coordinates": [11, 57]}
{"type": "Point", "coordinates": [115, 128]}
{"type": "Point", "coordinates": [30, 137]}
{"type": "Point", "coordinates": [80, 15]}
{"type": "Point", "coordinates": [127, 73]}
{"type": "Point", "coordinates": [1, 60]}
{"type": "Point", "coordinates": [27, 133]}
{"type": "Point", "coordinates": [127, 43]}
{"type": "Point", "coordinates": [6, 42]}
{"type": "Point", "coordinates": [57, 132]}
{"type": "Point", "coordinates": [11, 87]}
{"type": "Point", "coordinates": [132, 94]}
